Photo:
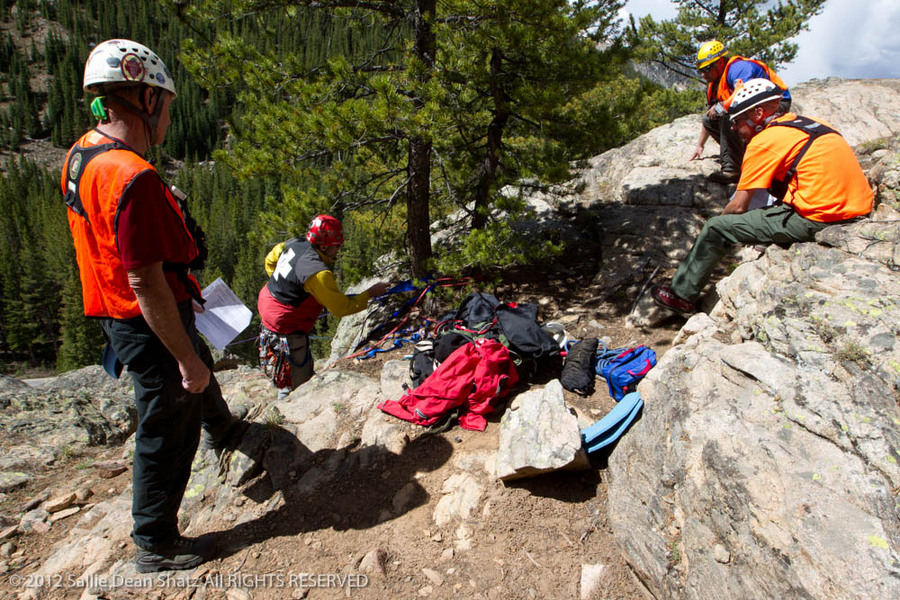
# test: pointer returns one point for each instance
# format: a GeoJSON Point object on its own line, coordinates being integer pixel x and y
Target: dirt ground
{"type": "Point", "coordinates": [530, 538]}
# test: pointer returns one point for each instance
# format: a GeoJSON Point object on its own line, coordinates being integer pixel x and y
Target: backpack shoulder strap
{"type": "Point", "coordinates": [77, 162]}
{"type": "Point", "coordinates": [815, 130]}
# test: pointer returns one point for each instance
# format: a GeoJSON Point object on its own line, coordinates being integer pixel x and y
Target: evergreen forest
{"type": "Point", "coordinates": [388, 115]}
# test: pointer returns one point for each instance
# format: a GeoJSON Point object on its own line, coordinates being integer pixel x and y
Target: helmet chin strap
{"type": "Point", "coordinates": [765, 122]}
{"type": "Point", "coordinates": [150, 120]}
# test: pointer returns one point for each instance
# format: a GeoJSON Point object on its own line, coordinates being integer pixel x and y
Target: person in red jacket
{"type": "Point", "coordinates": [135, 249]}
{"type": "Point", "coordinates": [301, 285]}
{"type": "Point", "coordinates": [722, 74]}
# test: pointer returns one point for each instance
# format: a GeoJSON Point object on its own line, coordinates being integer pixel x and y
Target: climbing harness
{"type": "Point", "coordinates": [275, 357]}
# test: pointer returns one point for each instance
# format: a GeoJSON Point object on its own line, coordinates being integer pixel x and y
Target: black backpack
{"type": "Point", "coordinates": [578, 371]}
{"type": "Point", "coordinates": [481, 315]}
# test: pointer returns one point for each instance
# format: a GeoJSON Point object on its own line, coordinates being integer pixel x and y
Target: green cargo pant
{"type": "Point", "coordinates": [773, 225]}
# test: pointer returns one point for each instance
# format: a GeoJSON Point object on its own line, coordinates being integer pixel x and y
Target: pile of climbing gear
{"type": "Point", "coordinates": [482, 316]}
{"type": "Point", "coordinates": [623, 368]}
{"type": "Point", "coordinates": [474, 356]}
{"type": "Point", "coordinates": [578, 371]}
{"type": "Point", "coordinates": [411, 336]}
{"type": "Point", "coordinates": [616, 422]}
{"type": "Point", "coordinates": [421, 286]}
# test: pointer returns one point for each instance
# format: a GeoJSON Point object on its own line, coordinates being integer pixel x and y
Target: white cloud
{"type": "Point", "coordinates": [849, 38]}
{"type": "Point", "coordinates": [660, 9]}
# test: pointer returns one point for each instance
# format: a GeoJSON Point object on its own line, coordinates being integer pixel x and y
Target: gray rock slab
{"type": "Point", "coordinates": [539, 434]}
{"type": "Point", "coordinates": [315, 407]}
{"type": "Point", "coordinates": [461, 493]}
{"type": "Point", "coordinates": [26, 457]}
{"type": "Point", "coordinates": [384, 430]}
{"type": "Point", "coordinates": [394, 374]}
{"type": "Point", "coordinates": [783, 446]}
{"type": "Point", "coordinates": [12, 480]}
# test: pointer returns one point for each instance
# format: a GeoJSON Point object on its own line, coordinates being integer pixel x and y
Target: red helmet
{"type": "Point", "coordinates": [325, 231]}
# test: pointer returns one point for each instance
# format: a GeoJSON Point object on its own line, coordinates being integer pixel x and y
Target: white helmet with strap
{"type": "Point", "coordinates": [124, 61]}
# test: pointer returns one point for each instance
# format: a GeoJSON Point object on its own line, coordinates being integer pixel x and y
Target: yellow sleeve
{"type": "Point", "coordinates": [272, 258]}
{"type": "Point", "coordinates": [324, 289]}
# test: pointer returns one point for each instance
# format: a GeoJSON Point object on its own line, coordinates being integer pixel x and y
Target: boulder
{"type": "Point", "coordinates": [767, 468]}
{"type": "Point", "coordinates": [539, 434]}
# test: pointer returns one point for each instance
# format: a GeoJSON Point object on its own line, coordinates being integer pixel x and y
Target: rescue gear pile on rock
{"type": "Point", "coordinates": [478, 353]}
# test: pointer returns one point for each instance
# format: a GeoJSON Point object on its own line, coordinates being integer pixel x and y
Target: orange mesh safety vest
{"type": "Point", "coordinates": [97, 172]}
{"type": "Point", "coordinates": [721, 89]}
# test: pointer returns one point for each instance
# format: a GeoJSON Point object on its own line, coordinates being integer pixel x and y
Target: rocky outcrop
{"type": "Point", "coordinates": [648, 201]}
{"type": "Point", "coordinates": [769, 467]}
{"type": "Point", "coordinates": [59, 420]}
{"type": "Point", "coordinates": [766, 461]}
{"type": "Point", "coordinates": [539, 434]}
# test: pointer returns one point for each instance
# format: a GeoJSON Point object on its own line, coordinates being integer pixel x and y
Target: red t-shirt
{"type": "Point", "coordinates": [149, 230]}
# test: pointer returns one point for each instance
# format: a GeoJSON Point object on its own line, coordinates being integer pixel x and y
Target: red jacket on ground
{"type": "Point", "coordinates": [474, 376]}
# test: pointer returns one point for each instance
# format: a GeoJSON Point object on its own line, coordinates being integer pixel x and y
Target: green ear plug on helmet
{"type": "Point", "coordinates": [98, 110]}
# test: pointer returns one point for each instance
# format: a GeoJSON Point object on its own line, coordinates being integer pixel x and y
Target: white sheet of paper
{"type": "Point", "coordinates": [225, 316]}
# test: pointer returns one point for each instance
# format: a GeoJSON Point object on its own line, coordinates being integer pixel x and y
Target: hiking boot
{"type": "Point", "coordinates": [724, 176]}
{"type": "Point", "coordinates": [665, 297]}
{"type": "Point", "coordinates": [231, 436]}
{"type": "Point", "coordinates": [178, 555]}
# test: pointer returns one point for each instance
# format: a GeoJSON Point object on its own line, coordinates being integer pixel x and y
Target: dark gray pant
{"type": "Point", "coordinates": [302, 363]}
{"type": "Point", "coordinates": [169, 420]}
{"type": "Point", "coordinates": [731, 147]}
{"type": "Point", "coordinates": [772, 225]}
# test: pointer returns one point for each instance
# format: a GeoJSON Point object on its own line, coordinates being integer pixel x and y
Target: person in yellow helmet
{"type": "Point", "coordinates": [722, 74]}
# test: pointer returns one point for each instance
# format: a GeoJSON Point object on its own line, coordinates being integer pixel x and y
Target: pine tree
{"type": "Point", "coordinates": [419, 111]}
{"type": "Point", "coordinates": [508, 81]}
{"type": "Point", "coordinates": [758, 29]}
{"type": "Point", "coordinates": [82, 340]}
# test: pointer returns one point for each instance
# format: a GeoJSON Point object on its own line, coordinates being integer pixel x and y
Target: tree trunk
{"type": "Point", "coordinates": [418, 191]}
{"type": "Point", "coordinates": [488, 170]}
{"type": "Point", "coordinates": [417, 204]}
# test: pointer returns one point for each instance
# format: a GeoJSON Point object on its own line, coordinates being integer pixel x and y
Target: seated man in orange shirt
{"type": "Point", "coordinates": [803, 162]}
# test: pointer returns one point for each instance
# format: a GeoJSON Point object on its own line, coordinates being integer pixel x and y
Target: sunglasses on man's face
{"type": "Point", "coordinates": [738, 121]}
{"type": "Point", "coordinates": [706, 69]}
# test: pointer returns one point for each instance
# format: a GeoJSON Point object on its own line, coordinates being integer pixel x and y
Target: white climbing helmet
{"type": "Point", "coordinates": [124, 61]}
{"type": "Point", "coordinates": [753, 93]}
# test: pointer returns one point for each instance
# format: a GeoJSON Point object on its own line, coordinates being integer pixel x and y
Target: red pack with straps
{"type": "Point", "coordinates": [472, 378]}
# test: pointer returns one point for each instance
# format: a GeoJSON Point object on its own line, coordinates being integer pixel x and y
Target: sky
{"type": "Point", "coordinates": [856, 39]}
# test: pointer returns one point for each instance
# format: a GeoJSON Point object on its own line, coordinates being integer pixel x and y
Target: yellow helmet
{"type": "Point", "coordinates": [710, 52]}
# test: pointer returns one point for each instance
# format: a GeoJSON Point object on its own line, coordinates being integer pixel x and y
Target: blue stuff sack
{"type": "Point", "coordinates": [623, 368]}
